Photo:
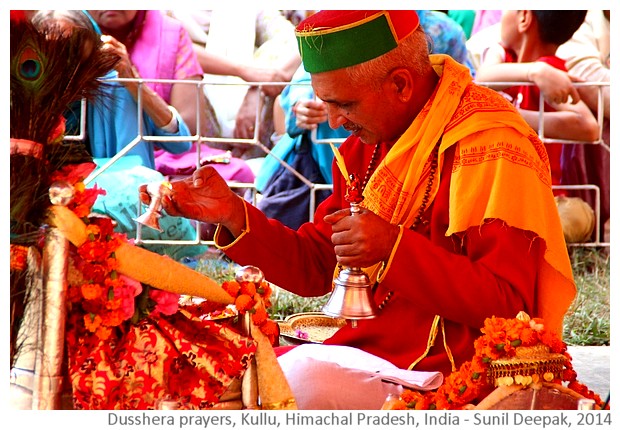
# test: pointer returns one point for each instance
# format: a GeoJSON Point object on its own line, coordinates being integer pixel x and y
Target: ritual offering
{"type": "Point", "coordinates": [518, 364]}
{"type": "Point", "coordinates": [312, 327]}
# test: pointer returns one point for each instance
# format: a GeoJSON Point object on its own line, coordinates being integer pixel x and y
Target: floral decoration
{"type": "Point", "coordinates": [500, 341]}
{"type": "Point", "coordinates": [129, 344]}
{"type": "Point", "coordinates": [106, 297]}
{"type": "Point", "coordinates": [249, 298]}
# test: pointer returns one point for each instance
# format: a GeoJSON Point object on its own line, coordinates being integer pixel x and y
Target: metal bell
{"type": "Point", "coordinates": [351, 297]}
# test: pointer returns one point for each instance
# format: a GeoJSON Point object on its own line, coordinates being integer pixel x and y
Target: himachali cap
{"type": "Point", "coordinates": [335, 39]}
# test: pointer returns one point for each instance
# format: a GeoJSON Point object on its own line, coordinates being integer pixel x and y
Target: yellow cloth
{"type": "Point", "coordinates": [484, 176]}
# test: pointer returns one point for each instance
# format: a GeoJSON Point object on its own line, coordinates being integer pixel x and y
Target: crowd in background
{"type": "Point", "coordinates": [257, 51]}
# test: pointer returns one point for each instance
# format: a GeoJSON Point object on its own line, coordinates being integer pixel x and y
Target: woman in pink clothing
{"type": "Point", "coordinates": [154, 45]}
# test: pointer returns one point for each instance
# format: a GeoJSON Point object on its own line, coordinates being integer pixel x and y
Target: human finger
{"type": "Point", "coordinates": [336, 216]}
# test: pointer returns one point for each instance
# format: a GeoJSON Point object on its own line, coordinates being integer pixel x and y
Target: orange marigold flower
{"type": "Point", "coordinates": [112, 318]}
{"type": "Point", "coordinates": [92, 322]}
{"type": "Point", "coordinates": [528, 336]}
{"type": "Point", "coordinates": [244, 303]}
{"type": "Point", "coordinates": [569, 375]}
{"type": "Point", "coordinates": [248, 288]}
{"type": "Point", "coordinates": [112, 263]}
{"type": "Point", "coordinates": [79, 187]}
{"type": "Point", "coordinates": [103, 332]}
{"type": "Point", "coordinates": [113, 304]}
{"type": "Point", "coordinates": [411, 397]}
{"type": "Point", "coordinates": [259, 316]}
{"type": "Point", "coordinates": [427, 402]}
{"type": "Point", "coordinates": [94, 230]}
{"type": "Point", "coordinates": [552, 341]}
{"type": "Point", "coordinates": [82, 211]}
{"type": "Point", "coordinates": [269, 327]}
{"type": "Point", "coordinates": [91, 291]}
{"type": "Point", "coordinates": [264, 290]}
{"type": "Point", "coordinates": [232, 288]}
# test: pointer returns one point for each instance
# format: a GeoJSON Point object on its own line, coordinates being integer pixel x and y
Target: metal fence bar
{"type": "Point", "coordinates": [254, 141]}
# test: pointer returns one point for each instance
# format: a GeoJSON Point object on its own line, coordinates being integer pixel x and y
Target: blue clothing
{"type": "Point", "coordinates": [112, 123]}
{"type": "Point", "coordinates": [321, 153]}
{"type": "Point", "coordinates": [447, 35]}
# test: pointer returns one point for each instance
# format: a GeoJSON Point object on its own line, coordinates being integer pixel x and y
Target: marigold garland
{"type": "Point", "coordinates": [106, 297]}
{"type": "Point", "coordinates": [500, 340]}
{"type": "Point", "coordinates": [254, 299]}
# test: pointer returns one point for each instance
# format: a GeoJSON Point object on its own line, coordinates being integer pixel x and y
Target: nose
{"type": "Point", "coordinates": [335, 117]}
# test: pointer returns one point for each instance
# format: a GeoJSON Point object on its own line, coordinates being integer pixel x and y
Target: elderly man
{"type": "Point", "coordinates": [458, 221]}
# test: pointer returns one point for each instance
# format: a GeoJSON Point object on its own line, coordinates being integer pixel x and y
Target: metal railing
{"type": "Point", "coordinates": [313, 187]}
{"type": "Point", "coordinates": [600, 118]}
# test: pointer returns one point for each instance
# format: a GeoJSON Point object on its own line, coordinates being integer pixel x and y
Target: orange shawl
{"type": "Point", "coordinates": [488, 176]}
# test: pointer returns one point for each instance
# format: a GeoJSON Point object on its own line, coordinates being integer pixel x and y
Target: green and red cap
{"type": "Point", "coordinates": [335, 39]}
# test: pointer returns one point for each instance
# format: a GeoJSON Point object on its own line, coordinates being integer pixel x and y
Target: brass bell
{"type": "Point", "coordinates": [352, 296]}
{"type": "Point", "coordinates": [150, 218]}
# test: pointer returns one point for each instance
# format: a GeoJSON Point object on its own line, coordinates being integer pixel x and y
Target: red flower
{"type": "Point", "coordinates": [248, 288]}
{"type": "Point", "coordinates": [93, 251]}
{"type": "Point", "coordinates": [231, 287]}
{"type": "Point", "coordinates": [259, 316]}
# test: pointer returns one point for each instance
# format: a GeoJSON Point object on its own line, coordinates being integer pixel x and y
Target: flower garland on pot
{"type": "Point", "coordinates": [502, 341]}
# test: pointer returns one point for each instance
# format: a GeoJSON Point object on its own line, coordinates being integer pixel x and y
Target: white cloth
{"type": "Point", "coordinates": [342, 377]}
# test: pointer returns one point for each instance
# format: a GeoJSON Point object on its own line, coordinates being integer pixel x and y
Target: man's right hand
{"type": "Point", "coordinates": [205, 197]}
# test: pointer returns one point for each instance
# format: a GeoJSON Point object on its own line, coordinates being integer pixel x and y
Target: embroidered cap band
{"type": "Point", "coordinates": [335, 39]}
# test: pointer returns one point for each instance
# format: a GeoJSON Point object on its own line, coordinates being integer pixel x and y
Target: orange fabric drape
{"type": "Point", "coordinates": [484, 176]}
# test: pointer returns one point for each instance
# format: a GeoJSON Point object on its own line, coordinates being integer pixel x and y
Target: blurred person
{"type": "Point", "coordinates": [284, 196]}
{"type": "Point", "coordinates": [238, 46]}
{"type": "Point", "coordinates": [447, 36]}
{"type": "Point", "coordinates": [111, 124]}
{"type": "Point", "coordinates": [587, 56]}
{"type": "Point", "coordinates": [158, 47]}
{"type": "Point", "coordinates": [112, 121]}
{"type": "Point", "coordinates": [532, 37]}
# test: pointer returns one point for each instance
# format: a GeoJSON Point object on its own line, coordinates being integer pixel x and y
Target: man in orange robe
{"type": "Point", "coordinates": [458, 221]}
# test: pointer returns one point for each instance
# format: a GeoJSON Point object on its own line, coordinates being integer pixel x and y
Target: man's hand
{"type": "Point", "coordinates": [361, 240]}
{"type": "Point", "coordinates": [205, 197]}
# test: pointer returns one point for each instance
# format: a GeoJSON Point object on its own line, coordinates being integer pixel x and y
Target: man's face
{"type": "Point", "coordinates": [360, 109]}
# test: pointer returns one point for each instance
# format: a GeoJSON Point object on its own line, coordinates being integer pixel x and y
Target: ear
{"type": "Point", "coordinates": [524, 20]}
{"type": "Point", "coordinates": [400, 84]}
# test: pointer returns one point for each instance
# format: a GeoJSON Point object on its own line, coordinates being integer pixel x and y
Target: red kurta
{"type": "Point", "coordinates": [490, 271]}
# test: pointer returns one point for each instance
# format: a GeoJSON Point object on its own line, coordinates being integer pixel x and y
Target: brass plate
{"type": "Point", "coordinates": [312, 327]}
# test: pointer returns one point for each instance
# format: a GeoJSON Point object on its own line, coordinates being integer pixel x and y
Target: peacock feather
{"type": "Point", "coordinates": [50, 69]}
